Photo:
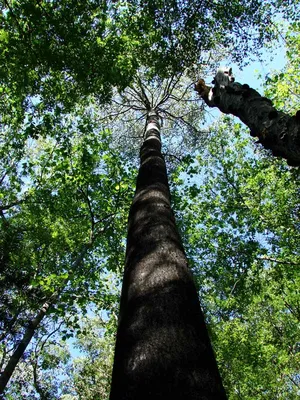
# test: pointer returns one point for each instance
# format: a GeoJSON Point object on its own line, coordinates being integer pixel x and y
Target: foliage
{"type": "Point", "coordinates": [91, 372]}
{"type": "Point", "coordinates": [66, 188]}
{"type": "Point", "coordinates": [241, 229]}
{"type": "Point", "coordinates": [79, 370]}
{"type": "Point", "coordinates": [64, 212]}
{"type": "Point", "coordinates": [39, 373]}
{"type": "Point", "coordinates": [61, 51]}
{"type": "Point", "coordinates": [283, 86]}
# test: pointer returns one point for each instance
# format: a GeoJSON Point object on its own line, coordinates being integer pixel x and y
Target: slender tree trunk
{"type": "Point", "coordinates": [32, 327]}
{"type": "Point", "coordinates": [275, 130]}
{"type": "Point", "coordinates": [163, 349]}
{"type": "Point", "coordinates": [17, 354]}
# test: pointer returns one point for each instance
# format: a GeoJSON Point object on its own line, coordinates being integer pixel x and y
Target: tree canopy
{"type": "Point", "coordinates": [74, 76]}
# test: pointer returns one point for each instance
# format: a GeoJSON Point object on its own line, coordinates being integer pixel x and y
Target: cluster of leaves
{"type": "Point", "coordinates": [283, 87]}
{"type": "Point", "coordinates": [91, 373]}
{"type": "Point", "coordinates": [241, 227]}
{"type": "Point", "coordinates": [63, 50]}
{"type": "Point", "coordinates": [63, 217]}
{"type": "Point", "coordinates": [184, 32]}
{"type": "Point", "coordinates": [59, 371]}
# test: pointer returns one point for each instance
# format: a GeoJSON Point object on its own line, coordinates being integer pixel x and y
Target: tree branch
{"type": "Point", "coordinates": [266, 258]}
{"type": "Point", "coordinates": [276, 130]}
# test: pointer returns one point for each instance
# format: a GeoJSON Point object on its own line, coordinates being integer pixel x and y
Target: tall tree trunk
{"type": "Point", "coordinates": [162, 349]}
{"type": "Point", "coordinates": [275, 130]}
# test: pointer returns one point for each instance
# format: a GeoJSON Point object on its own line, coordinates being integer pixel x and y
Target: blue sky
{"type": "Point", "coordinates": [274, 60]}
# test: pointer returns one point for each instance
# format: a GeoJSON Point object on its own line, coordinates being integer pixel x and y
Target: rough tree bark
{"type": "Point", "coordinates": [275, 130]}
{"type": "Point", "coordinates": [162, 349]}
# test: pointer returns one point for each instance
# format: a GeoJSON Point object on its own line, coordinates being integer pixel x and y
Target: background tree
{"type": "Point", "coordinates": [64, 219]}
{"type": "Point", "coordinates": [241, 230]}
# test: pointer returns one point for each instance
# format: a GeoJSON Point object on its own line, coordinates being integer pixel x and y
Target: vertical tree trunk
{"type": "Point", "coordinates": [162, 350]}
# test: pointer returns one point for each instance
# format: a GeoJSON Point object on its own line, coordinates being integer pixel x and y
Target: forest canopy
{"type": "Point", "coordinates": [75, 79]}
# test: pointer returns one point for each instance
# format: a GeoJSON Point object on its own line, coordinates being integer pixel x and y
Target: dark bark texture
{"type": "Point", "coordinates": [275, 130]}
{"type": "Point", "coordinates": [163, 349]}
